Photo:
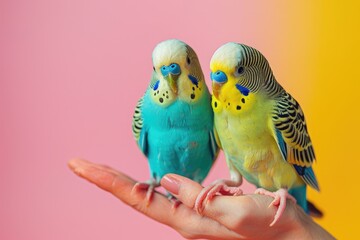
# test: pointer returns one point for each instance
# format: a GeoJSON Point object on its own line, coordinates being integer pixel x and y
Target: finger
{"type": "Point", "coordinates": [75, 163]}
{"type": "Point", "coordinates": [183, 188]}
{"type": "Point", "coordinates": [120, 186]}
{"type": "Point", "coordinates": [184, 220]}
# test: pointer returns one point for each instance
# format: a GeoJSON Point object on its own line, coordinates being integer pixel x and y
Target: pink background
{"type": "Point", "coordinates": [71, 73]}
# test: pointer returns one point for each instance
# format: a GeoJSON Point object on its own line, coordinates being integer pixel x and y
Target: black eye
{"type": "Point", "coordinates": [188, 60]}
{"type": "Point", "coordinates": [240, 70]}
{"type": "Point", "coordinates": [154, 68]}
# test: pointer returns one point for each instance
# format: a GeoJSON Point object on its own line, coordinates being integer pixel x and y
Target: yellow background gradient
{"type": "Point", "coordinates": [332, 111]}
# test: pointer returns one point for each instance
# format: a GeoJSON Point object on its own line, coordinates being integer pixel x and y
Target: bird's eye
{"type": "Point", "coordinates": [240, 70]}
{"type": "Point", "coordinates": [154, 69]}
{"type": "Point", "coordinates": [188, 60]}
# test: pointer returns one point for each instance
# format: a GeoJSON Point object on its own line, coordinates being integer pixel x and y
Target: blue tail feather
{"type": "Point", "coordinates": [299, 193]}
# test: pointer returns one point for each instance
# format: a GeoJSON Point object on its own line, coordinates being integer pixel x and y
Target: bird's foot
{"type": "Point", "coordinates": [219, 187]}
{"type": "Point", "coordinates": [279, 201]}
{"type": "Point", "coordinates": [175, 202]}
{"type": "Point", "coordinates": [149, 185]}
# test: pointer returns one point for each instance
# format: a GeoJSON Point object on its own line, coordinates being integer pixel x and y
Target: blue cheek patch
{"type": "Point", "coordinates": [193, 79]}
{"type": "Point", "coordinates": [156, 86]}
{"type": "Point", "coordinates": [243, 90]}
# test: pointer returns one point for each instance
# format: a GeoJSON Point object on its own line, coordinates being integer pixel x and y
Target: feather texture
{"type": "Point", "coordinates": [289, 119]}
{"type": "Point", "coordinates": [293, 138]}
{"type": "Point", "coordinates": [137, 122]}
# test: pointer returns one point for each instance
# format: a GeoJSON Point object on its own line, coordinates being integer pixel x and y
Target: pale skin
{"type": "Point", "coordinates": [224, 217]}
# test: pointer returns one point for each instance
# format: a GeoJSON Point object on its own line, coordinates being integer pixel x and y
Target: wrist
{"type": "Point", "coordinates": [302, 223]}
{"type": "Point", "coordinates": [302, 226]}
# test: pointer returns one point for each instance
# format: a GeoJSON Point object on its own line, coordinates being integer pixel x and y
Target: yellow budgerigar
{"type": "Point", "coordinates": [261, 129]}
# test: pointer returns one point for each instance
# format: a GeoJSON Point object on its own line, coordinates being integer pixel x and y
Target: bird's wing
{"type": "Point", "coordinates": [139, 133]}
{"type": "Point", "coordinates": [214, 144]}
{"type": "Point", "coordinates": [291, 135]}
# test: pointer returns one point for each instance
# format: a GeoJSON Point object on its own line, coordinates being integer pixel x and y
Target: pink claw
{"type": "Point", "coordinates": [150, 187]}
{"type": "Point", "coordinates": [175, 203]}
{"type": "Point", "coordinates": [218, 187]}
{"type": "Point", "coordinates": [279, 201]}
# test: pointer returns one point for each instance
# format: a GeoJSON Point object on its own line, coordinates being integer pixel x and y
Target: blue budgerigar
{"type": "Point", "coordinates": [261, 129]}
{"type": "Point", "coordinates": [173, 121]}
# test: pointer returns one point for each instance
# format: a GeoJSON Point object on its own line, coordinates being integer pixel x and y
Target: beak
{"type": "Point", "coordinates": [172, 79]}
{"type": "Point", "coordinates": [216, 89]}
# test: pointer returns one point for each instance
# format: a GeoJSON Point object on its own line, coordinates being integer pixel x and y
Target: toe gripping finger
{"type": "Point", "coordinates": [149, 186]}
{"type": "Point", "coordinates": [279, 201]}
{"type": "Point", "coordinates": [209, 192]}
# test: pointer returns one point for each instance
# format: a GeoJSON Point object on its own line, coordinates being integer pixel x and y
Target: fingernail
{"type": "Point", "coordinates": [75, 166]}
{"type": "Point", "coordinates": [74, 163]}
{"type": "Point", "coordinates": [77, 171]}
{"type": "Point", "coordinates": [171, 184]}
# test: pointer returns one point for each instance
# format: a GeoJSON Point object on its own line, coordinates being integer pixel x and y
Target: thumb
{"type": "Point", "coordinates": [184, 189]}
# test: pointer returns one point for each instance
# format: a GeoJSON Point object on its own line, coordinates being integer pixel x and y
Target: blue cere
{"type": "Point", "coordinates": [244, 91]}
{"type": "Point", "coordinates": [173, 68]}
{"type": "Point", "coordinates": [218, 76]}
{"type": "Point", "coordinates": [164, 71]}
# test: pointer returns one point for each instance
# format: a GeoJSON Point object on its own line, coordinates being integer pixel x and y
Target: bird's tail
{"type": "Point", "coordinates": [299, 193]}
{"type": "Point", "coordinates": [314, 211]}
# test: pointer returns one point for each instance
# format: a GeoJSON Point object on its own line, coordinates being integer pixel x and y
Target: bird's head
{"type": "Point", "coordinates": [177, 70]}
{"type": "Point", "coordinates": [238, 73]}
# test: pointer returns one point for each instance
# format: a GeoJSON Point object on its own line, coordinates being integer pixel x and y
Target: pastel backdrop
{"type": "Point", "coordinates": [72, 71]}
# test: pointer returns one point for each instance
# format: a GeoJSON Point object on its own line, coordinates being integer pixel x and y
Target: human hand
{"type": "Point", "coordinates": [224, 217]}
